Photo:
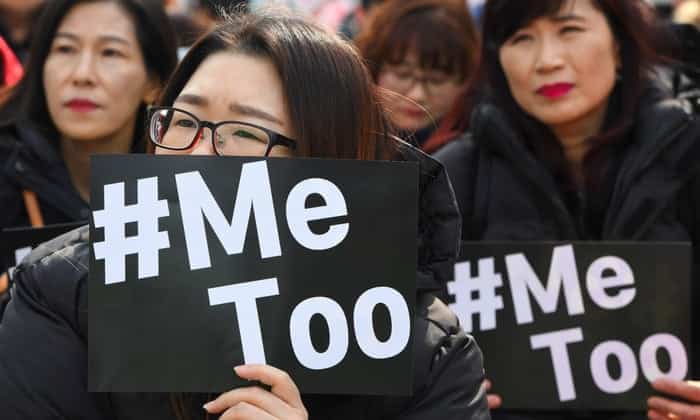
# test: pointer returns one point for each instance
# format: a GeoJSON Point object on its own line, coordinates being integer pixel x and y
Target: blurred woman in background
{"type": "Point", "coordinates": [93, 68]}
{"type": "Point", "coordinates": [424, 51]}
{"type": "Point", "coordinates": [575, 138]}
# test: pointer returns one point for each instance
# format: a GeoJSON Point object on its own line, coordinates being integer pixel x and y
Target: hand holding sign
{"type": "Point", "coordinates": [664, 408]}
{"type": "Point", "coordinates": [494, 400]}
{"type": "Point", "coordinates": [282, 401]}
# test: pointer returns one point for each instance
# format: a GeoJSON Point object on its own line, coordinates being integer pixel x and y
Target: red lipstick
{"type": "Point", "coordinates": [81, 105]}
{"type": "Point", "coordinates": [414, 112]}
{"type": "Point", "coordinates": [556, 90]}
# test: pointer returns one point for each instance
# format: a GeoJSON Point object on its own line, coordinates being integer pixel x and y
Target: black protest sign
{"type": "Point", "coordinates": [200, 264]}
{"type": "Point", "coordinates": [576, 326]}
{"type": "Point", "coordinates": [16, 243]}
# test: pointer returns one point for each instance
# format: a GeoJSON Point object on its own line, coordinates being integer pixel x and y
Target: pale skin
{"type": "Point", "coordinates": [283, 401]}
{"type": "Point", "coordinates": [215, 93]}
{"type": "Point", "coordinates": [95, 58]}
{"type": "Point", "coordinates": [688, 408]}
{"type": "Point", "coordinates": [576, 47]}
{"type": "Point", "coordinates": [225, 87]}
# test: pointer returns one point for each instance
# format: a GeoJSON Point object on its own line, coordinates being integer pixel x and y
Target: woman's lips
{"type": "Point", "coordinates": [556, 90]}
{"type": "Point", "coordinates": [81, 105]}
{"type": "Point", "coordinates": [414, 112]}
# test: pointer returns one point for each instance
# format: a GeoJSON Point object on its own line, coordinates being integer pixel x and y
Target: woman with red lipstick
{"type": "Point", "coordinates": [93, 68]}
{"type": "Point", "coordinates": [423, 51]}
{"type": "Point", "coordinates": [574, 137]}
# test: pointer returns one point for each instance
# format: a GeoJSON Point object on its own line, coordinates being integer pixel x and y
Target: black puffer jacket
{"type": "Point", "coordinates": [43, 355]}
{"type": "Point", "coordinates": [651, 193]}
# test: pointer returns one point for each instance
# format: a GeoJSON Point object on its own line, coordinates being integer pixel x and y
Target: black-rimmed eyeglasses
{"type": "Point", "coordinates": [176, 129]}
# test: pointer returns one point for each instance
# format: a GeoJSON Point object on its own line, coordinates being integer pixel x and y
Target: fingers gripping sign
{"type": "Point", "coordinates": [688, 408]}
{"type": "Point", "coordinates": [282, 401]}
{"type": "Point", "coordinates": [494, 400]}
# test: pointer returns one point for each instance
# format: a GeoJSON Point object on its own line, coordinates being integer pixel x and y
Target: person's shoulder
{"type": "Point", "coordinates": [434, 312]}
{"type": "Point", "coordinates": [457, 151]}
{"type": "Point", "coordinates": [668, 124]}
{"type": "Point", "coordinates": [439, 339]}
{"type": "Point", "coordinates": [439, 220]}
{"type": "Point", "coordinates": [44, 329]}
{"type": "Point", "coordinates": [70, 248]}
{"type": "Point", "coordinates": [53, 275]}
{"type": "Point", "coordinates": [460, 158]}
{"type": "Point", "coordinates": [448, 366]}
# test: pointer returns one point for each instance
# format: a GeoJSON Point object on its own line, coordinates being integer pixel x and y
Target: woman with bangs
{"type": "Point", "coordinates": [424, 52]}
{"type": "Point", "coordinates": [574, 137]}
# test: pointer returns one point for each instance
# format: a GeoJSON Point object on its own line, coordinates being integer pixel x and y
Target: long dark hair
{"type": "Point", "coordinates": [27, 101]}
{"type": "Point", "coordinates": [332, 103]}
{"type": "Point", "coordinates": [639, 35]}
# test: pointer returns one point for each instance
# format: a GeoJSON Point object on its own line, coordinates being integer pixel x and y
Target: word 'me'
{"type": "Point", "coordinates": [255, 196]}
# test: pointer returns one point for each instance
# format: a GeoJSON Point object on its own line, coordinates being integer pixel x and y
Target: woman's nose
{"type": "Point", "coordinates": [549, 56]}
{"type": "Point", "coordinates": [417, 92]}
{"type": "Point", "coordinates": [84, 70]}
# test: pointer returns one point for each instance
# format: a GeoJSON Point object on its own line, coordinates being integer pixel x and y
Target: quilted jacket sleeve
{"type": "Point", "coordinates": [43, 357]}
{"type": "Point", "coordinates": [449, 368]}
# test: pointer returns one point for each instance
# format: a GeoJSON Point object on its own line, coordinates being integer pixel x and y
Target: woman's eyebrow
{"type": "Point", "coordinates": [103, 38]}
{"type": "Point", "coordinates": [236, 107]}
{"type": "Point", "coordinates": [192, 99]}
{"type": "Point", "coordinates": [568, 17]}
{"type": "Point", "coordinates": [253, 112]}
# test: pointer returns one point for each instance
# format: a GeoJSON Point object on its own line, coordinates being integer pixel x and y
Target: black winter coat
{"type": "Point", "coordinates": [652, 192]}
{"type": "Point", "coordinates": [43, 338]}
{"type": "Point", "coordinates": [28, 161]}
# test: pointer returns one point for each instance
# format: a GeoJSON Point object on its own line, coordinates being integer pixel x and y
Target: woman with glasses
{"type": "Point", "coordinates": [423, 51]}
{"type": "Point", "coordinates": [175, 129]}
{"type": "Point", "coordinates": [249, 88]}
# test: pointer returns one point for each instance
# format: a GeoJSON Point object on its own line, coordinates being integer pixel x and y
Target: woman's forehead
{"type": "Point", "coordinates": [99, 20]}
{"type": "Point", "coordinates": [229, 85]}
{"type": "Point", "coordinates": [226, 77]}
{"type": "Point", "coordinates": [515, 15]}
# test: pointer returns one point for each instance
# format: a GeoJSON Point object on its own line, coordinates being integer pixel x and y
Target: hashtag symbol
{"type": "Point", "coordinates": [148, 240]}
{"type": "Point", "coordinates": [476, 295]}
